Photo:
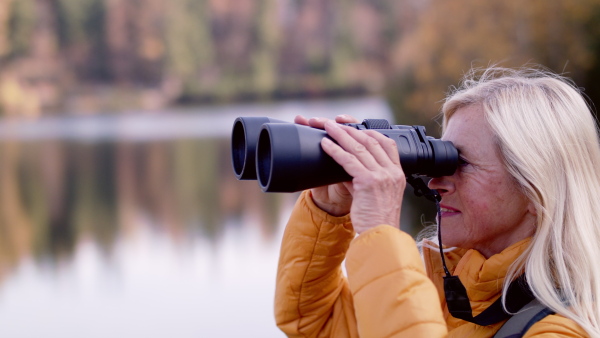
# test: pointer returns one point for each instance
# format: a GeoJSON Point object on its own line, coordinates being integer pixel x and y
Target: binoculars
{"type": "Point", "coordinates": [287, 157]}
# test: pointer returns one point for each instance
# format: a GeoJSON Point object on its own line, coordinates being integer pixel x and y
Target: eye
{"type": "Point", "coordinates": [462, 161]}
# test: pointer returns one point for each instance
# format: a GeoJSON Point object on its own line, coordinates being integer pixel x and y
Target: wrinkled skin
{"type": "Point", "coordinates": [483, 208]}
{"type": "Point", "coordinates": [374, 196]}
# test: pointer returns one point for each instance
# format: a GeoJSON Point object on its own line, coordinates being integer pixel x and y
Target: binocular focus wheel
{"type": "Point", "coordinates": [376, 124]}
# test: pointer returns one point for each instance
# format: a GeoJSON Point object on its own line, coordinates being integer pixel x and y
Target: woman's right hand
{"type": "Point", "coordinates": [335, 199]}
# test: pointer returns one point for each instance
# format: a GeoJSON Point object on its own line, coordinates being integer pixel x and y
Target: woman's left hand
{"type": "Point", "coordinates": [378, 182]}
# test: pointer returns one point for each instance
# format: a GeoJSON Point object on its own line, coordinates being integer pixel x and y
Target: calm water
{"type": "Point", "coordinates": [136, 227]}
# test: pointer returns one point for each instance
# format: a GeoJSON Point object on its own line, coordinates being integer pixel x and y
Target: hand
{"type": "Point", "coordinates": [378, 182]}
{"type": "Point", "coordinates": [334, 199]}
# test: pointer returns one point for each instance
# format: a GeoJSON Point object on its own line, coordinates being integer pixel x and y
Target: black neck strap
{"type": "Point", "coordinates": [457, 300]}
{"type": "Point", "coordinates": [459, 306]}
{"type": "Point", "coordinates": [421, 189]}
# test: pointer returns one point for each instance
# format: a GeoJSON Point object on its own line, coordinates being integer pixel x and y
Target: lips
{"type": "Point", "coordinates": [448, 211]}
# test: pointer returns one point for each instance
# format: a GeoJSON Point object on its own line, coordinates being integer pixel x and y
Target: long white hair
{"type": "Point", "coordinates": [548, 140]}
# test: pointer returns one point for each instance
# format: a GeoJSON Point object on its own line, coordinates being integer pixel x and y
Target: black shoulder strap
{"type": "Point", "coordinates": [459, 306]}
{"type": "Point", "coordinates": [521, 321]}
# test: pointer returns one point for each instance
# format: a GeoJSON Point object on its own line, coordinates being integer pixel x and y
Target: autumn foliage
{"type": "Point", "coordinates": [84, 56]}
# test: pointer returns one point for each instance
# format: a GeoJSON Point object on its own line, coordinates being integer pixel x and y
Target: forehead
{"type": "Point", "coordinates": [469, 131]}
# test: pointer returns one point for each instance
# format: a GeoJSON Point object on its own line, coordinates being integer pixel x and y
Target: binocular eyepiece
{"type": "Point", "coordinates": [287, 157]}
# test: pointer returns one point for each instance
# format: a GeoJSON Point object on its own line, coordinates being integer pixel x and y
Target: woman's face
{"type": "Point", "coordinates": [482, 206]}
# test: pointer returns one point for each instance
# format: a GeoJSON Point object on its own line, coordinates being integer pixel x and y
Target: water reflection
{"type": "Point", "coordinates": [141, 236]}
{"type": "Point", "coordinates": [55, 193]}
{"type": "Point", "coordinates": [62, 199]}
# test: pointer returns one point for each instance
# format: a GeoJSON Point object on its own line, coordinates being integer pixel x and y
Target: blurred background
{"type": "Point", "coordinates": [120, 215]}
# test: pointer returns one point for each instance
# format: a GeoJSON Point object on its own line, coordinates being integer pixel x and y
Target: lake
{"type": "Point", "coordinates": [133, 225]}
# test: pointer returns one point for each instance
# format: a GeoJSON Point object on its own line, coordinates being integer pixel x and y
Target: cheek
{"type": "Point", "coordinates": [481, 207]}
{"type": "Point", "coordinates": [488, 209]}
{"type": "Point", "coordinates": [479, 214]}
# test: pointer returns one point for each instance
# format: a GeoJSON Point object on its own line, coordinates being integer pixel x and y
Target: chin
{"type": "Point", "coordinates": [452, 243]}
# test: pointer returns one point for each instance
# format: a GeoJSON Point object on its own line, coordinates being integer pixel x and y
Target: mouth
{"type": "Point", "coordinates": [448, 211]}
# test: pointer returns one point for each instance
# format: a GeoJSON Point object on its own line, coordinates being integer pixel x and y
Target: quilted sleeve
{"type": "Point", "coordinates": [393, 297]}
{"type": "Point", "coordinates": [312, 298]}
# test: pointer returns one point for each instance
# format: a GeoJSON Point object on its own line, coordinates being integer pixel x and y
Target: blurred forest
{"type": "Point", "coordinates": [87, 56]}
{"type": "Point", "coordinates": [81, 57]}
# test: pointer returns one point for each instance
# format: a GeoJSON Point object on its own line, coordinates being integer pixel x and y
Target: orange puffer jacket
{"type": "Point", "coordinates": [389, 292]}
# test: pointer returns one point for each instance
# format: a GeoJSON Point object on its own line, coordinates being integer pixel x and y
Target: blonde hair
{"type": "Point", "coordinates": [548, 140]}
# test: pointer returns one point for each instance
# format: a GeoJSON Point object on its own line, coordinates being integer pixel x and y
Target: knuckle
{"type": "Point", "coordinates": [392, 176]}
{"type": "Point", "coordinates": [397, 170]}
{"type": "Point", "coordinates": [372, 141]}
{"type": "Point", "coordinates": [380, 177]}
{"type": "Point", "coordinates": [359, 148]}
{"type": "Point", "coordinates": [391, 142]}
{"type": "Point", "coordinates": [347, 158]}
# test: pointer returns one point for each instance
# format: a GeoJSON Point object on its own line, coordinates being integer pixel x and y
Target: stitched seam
{"type": "Point", "coordinates": [300, 293]}
{"type": "Point", "coordinates": [312, 257]}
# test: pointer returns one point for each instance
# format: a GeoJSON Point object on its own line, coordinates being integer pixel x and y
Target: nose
{"type": "Point", "coordinates": [443, 185]}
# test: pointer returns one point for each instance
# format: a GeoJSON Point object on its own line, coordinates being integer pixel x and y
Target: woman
{"type": "Point", "coordinates": [524, 200]}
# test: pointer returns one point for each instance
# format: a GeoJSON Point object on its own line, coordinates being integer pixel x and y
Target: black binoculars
{"type": "Point", "coordinates": [287, 157]}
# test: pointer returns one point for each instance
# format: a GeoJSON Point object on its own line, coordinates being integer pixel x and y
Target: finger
{"type": "Point", "coordinates": [350, 140]}
{"type": "Point", "coordinates": [346, 119]}
{"type": "Point", "coordinates": [389, 146]}
{"type": "Point", "coordinates": [376, 143]}
{"type": "Point", "coordinates": [382, 148]}
{"type": "Point", "coordinates": [318, 122]}
{"type": "Point", "coordinates": [315, 122]}
{"type": "Point", "coordinates": [348, 161]}
{"type": "Point", "coordinates": [299, 119]}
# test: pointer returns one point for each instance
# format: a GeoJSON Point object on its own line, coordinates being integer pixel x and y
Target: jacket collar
{"type": "Point", "coordinates": [483, 278]}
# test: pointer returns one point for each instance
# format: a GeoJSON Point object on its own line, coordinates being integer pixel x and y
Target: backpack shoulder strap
{"type": "Point", "coordinates": [521, 321]}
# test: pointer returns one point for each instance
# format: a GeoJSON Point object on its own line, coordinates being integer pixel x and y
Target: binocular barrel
{"type": "Point", "coordinates": [243, 145]}
{"type": "Point", "coordinates": [287, 157]}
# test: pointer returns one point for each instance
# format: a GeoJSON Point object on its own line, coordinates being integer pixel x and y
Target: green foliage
{"type": "Point", "coordinates": [187, 35]}
{"type": "Point", "coordinates": [78, 20]}
{"type": "Point", "coordinates": [219, 51]}
{"type": "Point", "coordinates": [264, 61]}
{"type": "Point", "coordinates": [20, 27]}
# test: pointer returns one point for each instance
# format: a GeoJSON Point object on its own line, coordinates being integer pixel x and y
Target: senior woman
{"type": "Point", "coordinates": [523, 201]}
